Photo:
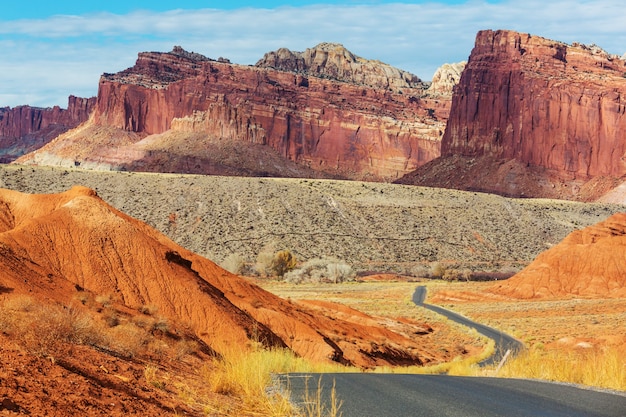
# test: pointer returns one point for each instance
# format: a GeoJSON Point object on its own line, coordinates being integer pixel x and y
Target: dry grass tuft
{"type": "Point", "coordinates": [248, 375]}
{"type": "Point", "coordinates": [602, 367]}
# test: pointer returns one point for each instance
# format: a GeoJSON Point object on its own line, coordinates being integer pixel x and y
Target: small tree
{"type": "Point", "coordinates": [438, 270]}
{"type": "Point", "coordinates": [283, 262]}
{"type": "Point", "coordinates": [340, 272]}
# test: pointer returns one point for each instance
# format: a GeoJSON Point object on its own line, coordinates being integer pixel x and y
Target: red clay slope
{"type": "Point", "coordinates": [52, 245]}
{"type": "Point", "coordinates": [588, 263]}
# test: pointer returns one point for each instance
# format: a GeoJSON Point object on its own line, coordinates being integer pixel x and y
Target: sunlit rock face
{"type": "Point", "coordinates": [541, 102]}
{"type": "Point", "coordinates": [325, 109]}
{"type": "Point", "coordinates": [25, 128]}
{"type": "Point", "coordinates": [532, 117]}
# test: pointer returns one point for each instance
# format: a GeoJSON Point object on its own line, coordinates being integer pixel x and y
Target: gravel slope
{"type": "Point", "coordinates": [372, 226]}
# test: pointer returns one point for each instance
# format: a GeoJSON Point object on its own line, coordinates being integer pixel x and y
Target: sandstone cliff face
{"type": "Point", "coordinates": [345, 129]}
{"type": "Point", "coordinates": [558, 109]}
{"type": "Point", "coordinates": [545, 103]}
{"type": "Point", "coordinates": [24, 128]}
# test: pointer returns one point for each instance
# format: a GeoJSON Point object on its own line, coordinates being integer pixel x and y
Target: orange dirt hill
{"type": "Point", "coordinates": [587, 263]}
{"type": "Point", "coordinates": [52, 246]}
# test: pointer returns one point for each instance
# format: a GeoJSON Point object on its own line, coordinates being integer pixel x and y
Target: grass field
{"type": "Point", "coordinates": [579, 341]}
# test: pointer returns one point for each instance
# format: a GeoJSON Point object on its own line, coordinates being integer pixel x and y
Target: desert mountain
{"type": "Point", "coordinates": [534, 117]}
{"type": "Point", "coordinates": [24, 128]}
{"type": "Point", "coordinates": [322, 113]}
{"type": "Point", "coordinates": [54, 244]}
{"type": "Point", "coordinates": [587, 263]}
{"type": "Point", "coordinates": [334, 61]}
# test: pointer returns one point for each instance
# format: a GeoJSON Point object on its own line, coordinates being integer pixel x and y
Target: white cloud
{"type": "Point", "coordinates": [46, 60]}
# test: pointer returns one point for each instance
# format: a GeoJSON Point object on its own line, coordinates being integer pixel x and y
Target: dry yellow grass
{"type": "Point", "coordinates": [249, 375]}
{"type": "Point", "coordinates": [573, 340]}
{"type": "Point", "coordinates": [603, 368]}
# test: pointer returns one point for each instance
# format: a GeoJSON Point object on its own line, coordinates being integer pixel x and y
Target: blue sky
{"type": "Point", "coordinates": [53, 49]}
{"type": "Point", "coordinates": [41, 9]}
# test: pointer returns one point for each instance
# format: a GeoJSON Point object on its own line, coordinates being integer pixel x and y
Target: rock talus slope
{"type": "Point", "coordinates": [587, 263]}
{"type": "Point", "coordinates": [558, 109]}
{"type": "Point", "coordinates": [337, 114]}
{"type": "Point", "coordinates": [53, 245]}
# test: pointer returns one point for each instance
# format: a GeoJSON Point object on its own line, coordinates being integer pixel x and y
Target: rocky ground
{"type": "Point", "coordinates": [372, 226]}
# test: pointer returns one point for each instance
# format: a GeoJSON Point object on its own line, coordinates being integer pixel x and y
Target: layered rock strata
{"type": "Point", "coordinates": [345, 128]}
{"type": "Point", "coordinates": [545, 104]}
{"type": "Point", "coordinates": [334, 61]}
{"type": "Point", "coordinates": [24, 128]}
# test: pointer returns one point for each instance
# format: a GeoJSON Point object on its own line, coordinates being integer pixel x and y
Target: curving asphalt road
{"type": "Point", "coordinates": [408, 395]}
{"type": "Point", "coordinates": [503, 341]}
{"type": "Point", "coordinates": [382, 395]}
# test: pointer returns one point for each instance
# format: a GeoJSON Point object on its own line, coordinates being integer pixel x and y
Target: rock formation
{"type": "Point", "coordinates": [558, 109]}
{"type": "Point", "coordinates": [446, 78]}
{"type": "Point", "coordinates": [344, 128]}
{"type": "Point", "coordinates": [587, 263]}
{"type": "Point", "coordinates": [54, 244]}
{"type": "Point", "coordinates": [334, 61]}
{"type": "Point", "coordinates": [24, 129]}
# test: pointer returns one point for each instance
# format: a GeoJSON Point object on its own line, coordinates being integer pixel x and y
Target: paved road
{"type": "Point", "coordinates": [503, 341]}
{"type": "Point", "coordinates": [406, 395]}
{"type": "Point", "coordinates": [382, 395]}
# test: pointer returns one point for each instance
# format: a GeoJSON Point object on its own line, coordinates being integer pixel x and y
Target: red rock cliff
{"type": "Point", "coordinates": [543, 103]}
{"type": "Point", "coordinates": [330, 125]}
{"type": "Point", "coordinates": [24, 128]}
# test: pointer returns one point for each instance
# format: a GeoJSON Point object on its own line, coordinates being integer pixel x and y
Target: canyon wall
{"type": "Point", "coordinates": [337, 124]}
{"type": "Point", "coordinates": [532, 117]}
{"type": "Point", "coordinates": [541, 102]}
{"type": "Point", "coordinates": [25, 128]}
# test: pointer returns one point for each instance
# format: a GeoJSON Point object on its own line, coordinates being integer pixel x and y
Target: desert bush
{"type": "Point", "coordinates": [420, 271]}
{"type": "Point", "coordinates": [438, 270]}
{"type": "Point", "coordinates": [42, 330]}
{"type": "Point", "coordinates": [321, 270]}
{"type": "Point", "coordinates": [104, 299]}
{"type": "Point", "coordinates": [185, 347]}
{"type": "Point", "coordinates": [127, 339]}
{"type": "Point", "coordinates": [22, 303]}
{"type": "Point", "coordinates": [161, 324]}
{"type": "Point", "coordinates": [149, 309]}
{"type": "Point", "coordinates": [150, 373]}
{"type": "Point", "coordinates": [110, 317]}
{"type": "Point", "coordinates": [283, 262]}
{"type": "Point", "coordinates": [233, 263]}
{"type": "Point", "coordinates": [264, 260]}
{"type": "Point", "coordinates": [451, 274]}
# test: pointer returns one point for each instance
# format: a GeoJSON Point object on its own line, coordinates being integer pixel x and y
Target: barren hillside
{"type": "Point", "coordinates": [372, 226]}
